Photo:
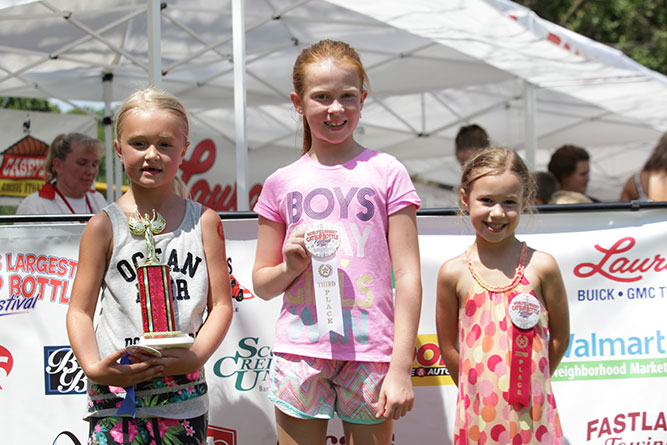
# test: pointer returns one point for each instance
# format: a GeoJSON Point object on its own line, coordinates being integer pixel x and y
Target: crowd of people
{"type": "Point", "coordinates": [72, 163]}
{"type": "Point", "coordinates": [498, 285]}
{"type": "Point", "coordinates": [568, 171]}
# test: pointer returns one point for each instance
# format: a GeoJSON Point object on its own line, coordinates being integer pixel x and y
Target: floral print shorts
{"type": "Point", "coordinates": [148, 431]}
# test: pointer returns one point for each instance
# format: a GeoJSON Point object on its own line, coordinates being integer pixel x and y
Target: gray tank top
{"type": "Point", "coordinates": [641, 196]}
{"type": "Point", "coordinates": [119, 322]}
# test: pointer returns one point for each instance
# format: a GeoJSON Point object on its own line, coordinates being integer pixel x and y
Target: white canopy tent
{"type": "Point", "coordinates": [434, 66]}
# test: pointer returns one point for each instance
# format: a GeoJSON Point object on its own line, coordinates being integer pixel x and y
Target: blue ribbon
{"type": "Point", "coordinates": [127, 406]}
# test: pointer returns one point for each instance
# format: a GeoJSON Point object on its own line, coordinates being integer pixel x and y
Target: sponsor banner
{"type": "Point", "coordinates": [218, 435]}
{"type": "Point", "coordinates": [608, 388]}
{"type": "Point", "coordinates": [428, 368]}
{"type": "Point", "coordinates": [209, 171]}
{"type": "Point", "coordinates": [248, 368]}
{"type": "Point", "coordinates": [62, 373]}
{"type": "Point", "coordinates": [22, 167]}
{"type": "Point", "coordinates": [24, 187]}
{"type": "Point", "coordinates": [611, 369]}
{"type": "Point", "coordinates": [26, 278]}
{"type": "Point", "coordinates": [37, 268]}
{"type": "Point", "coordinates": [628, 428]}
{"type": "Point", "coordinates": [6, 361]}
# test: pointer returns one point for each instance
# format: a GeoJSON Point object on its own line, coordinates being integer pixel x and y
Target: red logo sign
{"type": "Point", "coordinates": [220, 436]}
{"type": "Point", "coordinates": [624, 423]}
{"type": "Point", "coordinates": [22, 167]}
{"type": "Point", "coordinates": [6, 360]}
{"type": "Point", "coordinates": [618, 267]}
{"type": "Point", "coordinates": [218, 197]}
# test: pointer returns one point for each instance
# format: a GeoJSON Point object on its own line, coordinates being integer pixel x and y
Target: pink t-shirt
{"type": "Point", "coordinates": [357, 197]}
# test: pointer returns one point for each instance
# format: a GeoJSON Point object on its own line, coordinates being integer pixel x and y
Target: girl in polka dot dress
{"type": "Point", "coordinates": [502, 313]}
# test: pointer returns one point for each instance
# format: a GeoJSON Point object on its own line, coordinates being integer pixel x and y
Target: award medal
{"type": "Point", "coordinates": [524, 311]}
{"type": "Point", "coordinates": [322, 241]}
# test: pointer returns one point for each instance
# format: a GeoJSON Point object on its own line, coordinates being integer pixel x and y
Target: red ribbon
{"type": "Point", "coordinates": [522, 348]}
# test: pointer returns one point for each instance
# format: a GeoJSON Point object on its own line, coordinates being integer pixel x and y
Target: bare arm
{"type": "Point", "coordinates": [447, 315]}
{"type": "Point", "coordinates": [219, 302]}
{"type": "Point", "coordinates": [397, 395]}
{"type": "Point", "coordinates": [90, 272]}
{"type": "Point", "coordinates": [630, 191]}
{"type": "Point", "coordinates": [271, 276]}
{"type": "Point", "coordinates": [555, 300]}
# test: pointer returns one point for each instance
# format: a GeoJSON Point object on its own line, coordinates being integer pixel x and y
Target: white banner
{"type": "Point", "coordinates": [610, 388]}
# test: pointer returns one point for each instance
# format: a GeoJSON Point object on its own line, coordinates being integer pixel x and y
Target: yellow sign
{"type": "Point", "coordinates": [19, 187]}
{"type": "Point", "coordinates": [428, 368]}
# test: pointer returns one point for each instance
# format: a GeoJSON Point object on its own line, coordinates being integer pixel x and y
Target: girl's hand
{"type": "Point", "coordinates": [297, 257]}
{"type": "Point", "coordinates": [109, 371]}
{"type": "Point", "coordinates": [396, 396]}
{"type": "Point", "coordinates": [177, 361]}
{"type": "Point", "coordinates": [279, 258]}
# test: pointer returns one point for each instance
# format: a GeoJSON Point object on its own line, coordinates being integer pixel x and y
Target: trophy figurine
{"type": "Point", "coordinates": [157, 306]}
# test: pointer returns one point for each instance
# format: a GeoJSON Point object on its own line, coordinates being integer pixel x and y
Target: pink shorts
{"type": "Point", "coordinates": [315, 388]}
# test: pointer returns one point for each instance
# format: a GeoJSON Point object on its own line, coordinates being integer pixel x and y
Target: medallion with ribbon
{"type": "Point", "coordinates": [322, 241]}
{"type": "Point", "coordinates": [524, 311]}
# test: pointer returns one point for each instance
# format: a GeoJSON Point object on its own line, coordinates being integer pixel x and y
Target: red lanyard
{"type": "Point", "coordinates": [90, 209]}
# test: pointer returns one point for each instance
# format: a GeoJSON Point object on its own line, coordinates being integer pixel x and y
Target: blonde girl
{"type": "Point", "coordinates": [170, 391]}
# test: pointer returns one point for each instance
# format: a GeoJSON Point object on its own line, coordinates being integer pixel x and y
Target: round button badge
{"type": "Point", "coordinates": [322, 240]}
{"type": "Point", "coordinates": [525, 311]}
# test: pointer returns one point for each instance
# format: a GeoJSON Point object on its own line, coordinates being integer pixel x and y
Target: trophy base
{"type": "Point", "coordinates": [143, 349]}
{"type": "Point", "coordinates": [170, 341]}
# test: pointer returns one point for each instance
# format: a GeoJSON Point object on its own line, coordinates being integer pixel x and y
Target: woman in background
{"type": "Point", "coordinates": [649, 184]}
{"type": "Point", "coordinates": [71, 167]}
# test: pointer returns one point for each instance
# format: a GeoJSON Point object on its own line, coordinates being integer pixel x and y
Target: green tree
{"type": "Point", "coordinates": [28, 103]}
{"type": "Point", "coordinates": [636, 27]}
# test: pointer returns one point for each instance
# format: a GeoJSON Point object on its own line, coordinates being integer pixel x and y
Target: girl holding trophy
{"type": "Point", "coordinates": [331, 227]}
{"type": "Point", "coordinates": [181, 309]}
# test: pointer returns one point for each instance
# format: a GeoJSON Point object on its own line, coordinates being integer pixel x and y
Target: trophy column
{"type": "Point", "coordinates": [155, 292]}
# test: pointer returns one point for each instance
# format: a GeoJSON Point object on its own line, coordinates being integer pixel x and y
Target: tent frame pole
{"type": "Point", "coordinates": [107, 86]}
{"type": "Point", "coordinates": [529, 110]}
{"type": "Point", "coordinates": [240, 103]}
{"type": "Point", "coordinates": [154, 48]}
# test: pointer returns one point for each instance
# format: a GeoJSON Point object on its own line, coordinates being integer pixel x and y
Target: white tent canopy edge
{"type": "Point", "coordinates": [485, 53]}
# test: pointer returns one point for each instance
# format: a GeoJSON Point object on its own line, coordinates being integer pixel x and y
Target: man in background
{"type": "Point", "coordinates": [469, 139]}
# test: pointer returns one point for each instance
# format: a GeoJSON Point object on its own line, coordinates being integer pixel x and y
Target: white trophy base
{"type": "Point", "coordinates": [180, 341]}
{"type": "Point", "coordinates": [141, 349]}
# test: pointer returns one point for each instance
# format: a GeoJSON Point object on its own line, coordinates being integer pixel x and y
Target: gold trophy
{"type": "Point", "coordinates": [157, 305]}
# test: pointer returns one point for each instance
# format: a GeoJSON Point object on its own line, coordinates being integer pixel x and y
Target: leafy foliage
{"type": "Point", "coordinates": [636, 27]}
{"type": "Point", "coordinates": [28, 103]}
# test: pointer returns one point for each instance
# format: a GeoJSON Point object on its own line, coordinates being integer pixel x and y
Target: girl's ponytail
{"type": "Point", "coordinates": [179, 187]}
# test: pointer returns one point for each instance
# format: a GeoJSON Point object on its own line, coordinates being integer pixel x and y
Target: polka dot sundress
{"type": "Point", "coordinates": [483, 413]}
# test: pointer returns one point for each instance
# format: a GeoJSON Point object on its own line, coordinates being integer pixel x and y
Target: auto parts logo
{"type": "Point", "coordinates": [428, 368]}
